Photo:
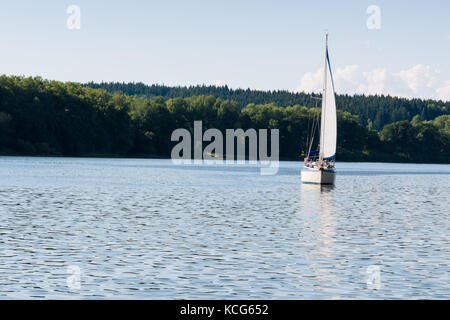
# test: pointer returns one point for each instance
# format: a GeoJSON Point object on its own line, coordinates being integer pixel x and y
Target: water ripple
{"type": "Point", "coordinates": [144, 229]}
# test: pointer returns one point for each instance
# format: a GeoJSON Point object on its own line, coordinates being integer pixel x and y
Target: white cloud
{"type": "Point", "coordinates": [375, 81]}
{"type": "Point", "coordinates": [220, 83]}
{"type": "Point", "coordinates": [348, 79]}
{"type": "Point", "coordinates": [419, 81]}
{"type": "Point", "coordinates": [444, 92]}
{"type": "Point", "coordinates": [311, 81]}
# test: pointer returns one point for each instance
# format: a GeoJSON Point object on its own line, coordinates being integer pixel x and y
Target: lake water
{"type": "Point", "coordinates": [146, 229]}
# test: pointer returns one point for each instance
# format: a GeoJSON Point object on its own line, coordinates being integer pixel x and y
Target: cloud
{"type": "Point", "coordinates": [220, 83]}
{"type": "Point", "coordinates": [444, 92]}
{"type": "Point", "coordinates": [376, 81]}
{"type": "Point", "coordinates": [311, 81]}
{"type": "Point", "coordinates": [349, 79]}
{"type": "Point", "coordinates": [419, 81]}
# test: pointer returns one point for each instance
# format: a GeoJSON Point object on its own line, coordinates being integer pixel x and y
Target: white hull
{"type": "Point", "coordinates": [316, 176]}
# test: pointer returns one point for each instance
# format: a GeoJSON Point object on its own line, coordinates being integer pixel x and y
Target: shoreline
{"type": "Point", "coordinates": [156, 157]}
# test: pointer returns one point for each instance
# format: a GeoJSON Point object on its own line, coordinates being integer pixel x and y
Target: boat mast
{"type": "Point", "coordinates": [324, 101]}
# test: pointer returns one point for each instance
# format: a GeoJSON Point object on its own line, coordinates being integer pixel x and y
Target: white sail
{"type": "Point", "coordinates": [328, 125]}
{"type": "Point", "coordinates": [319, 171]}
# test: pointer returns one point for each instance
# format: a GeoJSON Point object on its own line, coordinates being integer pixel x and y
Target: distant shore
{"type": "Point", "coordinates": [150, 157]}
{"type": "Point", "coordinates": [50, 118]}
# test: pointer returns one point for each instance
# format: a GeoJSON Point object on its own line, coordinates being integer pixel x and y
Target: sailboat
{"type": "Point", "coordinates": [319, 165]}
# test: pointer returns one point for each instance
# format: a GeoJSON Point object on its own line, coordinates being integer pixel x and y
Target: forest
{"type": "Point", "coordinates": [50, 118]}
{"type": "Point", "coordinates": [373, 111]}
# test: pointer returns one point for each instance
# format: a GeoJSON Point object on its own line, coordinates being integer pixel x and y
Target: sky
{"type": "Point", "coordinates": [402, 48]}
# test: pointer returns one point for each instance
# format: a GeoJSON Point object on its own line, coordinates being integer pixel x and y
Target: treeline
{"type": "Point", "coordinates": [39, 117]}
{"type": "Point", "coordinates": [373, 112]}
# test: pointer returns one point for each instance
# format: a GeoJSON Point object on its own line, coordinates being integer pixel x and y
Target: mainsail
{"type": "Point", "coordinates": [328, 125]}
